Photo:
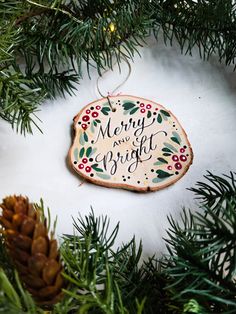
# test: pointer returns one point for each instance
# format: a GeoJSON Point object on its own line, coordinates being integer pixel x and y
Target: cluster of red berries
{"type": "Point", "coordinates": [84, 166]}
{"type": "Point", "coordinates": [143, 107]}
{"type": "Point", "coordinates": [177, 159]}
{"type": "Point", "coordinates": [86, 117]}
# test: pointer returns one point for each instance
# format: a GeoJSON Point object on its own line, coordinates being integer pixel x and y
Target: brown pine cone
{"type": "Point", "coordinates": [33, 253]}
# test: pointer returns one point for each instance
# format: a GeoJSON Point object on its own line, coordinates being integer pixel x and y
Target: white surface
{"type": "Point", "coordinates": [200, 94]}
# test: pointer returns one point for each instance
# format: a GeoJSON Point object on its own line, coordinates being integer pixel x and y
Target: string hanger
{"type": "Point", "coordinates": [117, 88]}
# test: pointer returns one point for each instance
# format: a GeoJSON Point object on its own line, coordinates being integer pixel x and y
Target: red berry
{"type": "Point", "coordinates": [84, 160]}
{"type": "Point", "coordinates": [88, 111]}
{"type": "Point", "coordinates": [169, 167]}
{"type": "Point", "coordinates": [85, 118]}
{"type": "Point", "coordinates": [142, 110]}
{"type": "Point", "coordinates": [81, 166]}
{"type": "Point", "coordinates": [88, 169]}
{"type": "Point", "coordinates": [142, 105]}
{"type": "Point", "coordinates": [175, 158]}
{"type": "Point", "coordinates": [178, 166]}
{"type": "Point", "coordinates": [182, 150]}
{"type": "Point", "coordinates": [148, 106]}
{"type": "Point", "coordinates": [183, 158]}
{"type": "Point", "coordinates": [84, 126]}
{"type": "Point", "coordinates": [156, 109]}
{"type": "Point", "coordinates": [98, 107]}
{"type": "Point", "coordinates": [94, 114]}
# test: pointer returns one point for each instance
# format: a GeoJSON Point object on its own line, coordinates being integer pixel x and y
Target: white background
{"type": "Point", "coordinates": [201, 95]}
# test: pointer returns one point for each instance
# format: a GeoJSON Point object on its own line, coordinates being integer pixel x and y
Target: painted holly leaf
{"type": "Point", "coordinates": [164, 117]}
{"type": "Point", "coordinates": [98, 121]}
{"type": "Point", "coordinates": [92, 128]}
{"type": "Point", "coordinates": [157, 180]}
{"type": "Point", "coordinates": [105, 110]}
{"type": "Point", "coordinates": [167, 150]}
{"type": "Point", "coordinates": [176, 135]}
{"type": "Point", "coordinates": [88, 151]}
{"type": "Point", "coordinates": [166, 154]}
{"type": "Point", "coordinates": [128, 105]}
{"type": "Point", "coordinates": [95, 123]}
{"type": "Point", "coordinates": [81, 153]}
{"type": "Point", "coordinates": [163, 174]}
{"type": "Point", "coordinates": [159, 118]}
{"type": "Point", "coordinates": [160, 161]}
{"type": "Point", "coordinates": [171, 147]}
{"type": "Point", "coordinates": [165, 113]}
{"type": "Point", "coordinates": [174, 139]}
{"type": "Point", "coordinates": [103, 176]}
{"type": "Point", "coordinates": [133, 110]}
{"type": "Point", "coordinates": [94, 166]}
{"type": "Point", "coordinates": [85, 137]}
{"type": "Point", "coordinates": [93, 151]}
{"type": "Point", "coordinates": [149, 114]}
{"type": "Point", "coordinates": [81, 139]}
{"type": "Point", "coordinates": [76, 151]}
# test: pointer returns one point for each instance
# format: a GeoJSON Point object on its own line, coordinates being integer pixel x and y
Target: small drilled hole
{"type": "Point", "coordinates": [113, 109]}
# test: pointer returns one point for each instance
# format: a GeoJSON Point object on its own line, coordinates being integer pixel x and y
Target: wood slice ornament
{"type": "Point", "coordinates": [131, 143]}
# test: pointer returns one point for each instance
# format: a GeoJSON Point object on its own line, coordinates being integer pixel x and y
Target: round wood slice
{"type": "Point", "coordinates": [131, 143]}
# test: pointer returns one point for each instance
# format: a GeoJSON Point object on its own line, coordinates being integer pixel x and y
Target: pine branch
{"type": "Point", "coordinates": [219, 189]}
{"type": "Point", "coordinates": [50, 38]}
{"type": "Point", "coordinates": [208, 25]}
{"type": "Point", "coordinates": [202, 249]}
{"type": "Point", "coordinates": [15, 300]}
{"type": "Point", "coordinates": [197, 276]}
{"type": "Point", "coordinates": [109, 281]}
{"type": "Point", "coordinates": [18, 103]}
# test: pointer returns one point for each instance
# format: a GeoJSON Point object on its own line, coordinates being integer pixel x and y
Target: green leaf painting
{"type": "Point", "coordinates": [93, 151]}
{"type": "Point", "coordinates": [176, 138]}
{"type": "Point", "coordinates": [157, 180]}
{"type": "Point", "coordinates": [76, 151]}
{"type": "Point", "coordinates": [128, 105]}
{"type": "Point", "coordinates": [159, 118]}
{"type": "Point", "coordinates": [95, 167]}
{"type": "Point", "coordinates": [81, 139]}
{"type": "Point", "coordinates": [165, 113]}
{"type": "Point", "coordinates": [103, 176]}
{"type": "Point", "coordinates": [163, 174]}
{"type": "Point", "coordinates": [133, 110]}
{"type": "Point", "coordinates": [167, 150]}
{"type": "Point", "coordinates": [171, 147]}
{"type": "Point", "coordinates": [81, 153]}
{"type": "Point", "coordinates": [160, 161]}
{"type": "Point", "coordinates": [92, 128]}
{"type": "Point", "coordinates": [105, 110]}
{"type": "Point", "coordinates": [85, 137]}
{"type": "Point", "coordinates": [88, 151]}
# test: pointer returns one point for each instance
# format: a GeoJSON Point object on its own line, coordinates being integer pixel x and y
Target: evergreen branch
{"type": "Point", "coordinates": [18, 103]}
{"type": "Point", "coordinates": [51, 38]}
{"type": "Point", "coordinates": [15, 300]}
{"type": "Point", "coordinates": [202, 249]}
{"type": "Point", "coordinates": [54, 84]}
{"type": "Point", "coordinates": [197, 276]}
{"type": "Point", "coordinates": [31, 14]}
{"type": "Point", "coordinates": [209, 25]}
{"type": "Point", "coordinates": [213, 194]}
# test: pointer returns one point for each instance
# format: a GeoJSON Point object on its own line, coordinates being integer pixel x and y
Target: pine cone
{"type": "Point", "coordinates": [33, 253]}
